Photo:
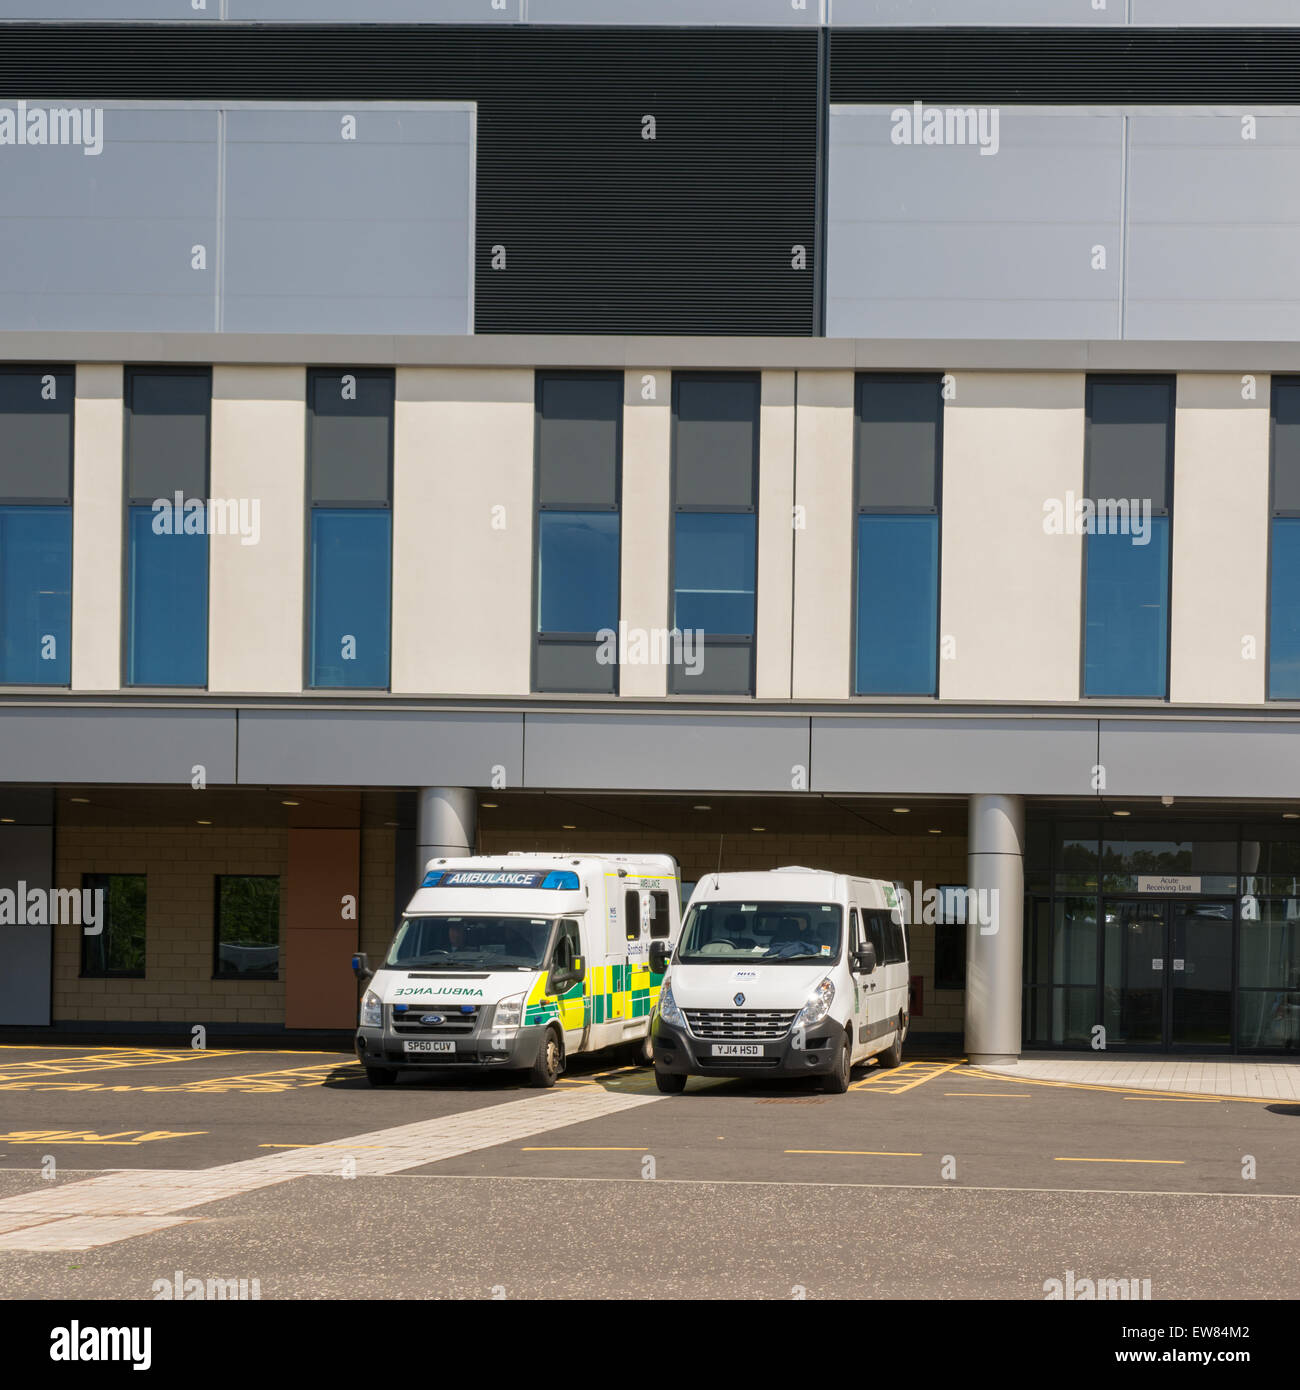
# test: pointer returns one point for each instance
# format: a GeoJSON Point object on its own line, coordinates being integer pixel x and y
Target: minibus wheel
{"type": "Point", "coordinates": [381, 1076]}
{"type": "Point", "coordinates": [550, 1062]}
{"type": "Point", "coordinates": [837, 1082]}
{"type": "Point", "coordinates": [892, 1056]}
{"type": "Point", "coordinates": [671, 1083]}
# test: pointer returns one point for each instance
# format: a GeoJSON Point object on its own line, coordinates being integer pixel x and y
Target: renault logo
{"type": "Point", "coordinates": [738, 1000]}
{"type": "Point", "coordinates": [432, 1019]}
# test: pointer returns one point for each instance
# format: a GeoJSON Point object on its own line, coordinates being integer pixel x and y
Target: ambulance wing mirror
{"type": "Point", "coordinates": [579, 970]}
{"type": "Point", "coordinates": [361, 967]}
{"type": "Point", "coordinates": [659, 954]}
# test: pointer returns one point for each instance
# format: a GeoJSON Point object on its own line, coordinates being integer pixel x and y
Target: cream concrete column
{"type": "Point", "coordinates": [257, 481]}
{"type": "Point", "coordinates": [823, 546]}
{"type": "Point", "coordinates": [994, 948]}
{"type": "Point", "coordinates": [1010, 606]}
{"type": "Point", "coordinates": [776, 528]}
{"type": "Point", "coordinates": [1218, 610]}
{"type": "Point", "coordinates": [645, 520]}
{"type": "Point", "coordinates": [97, 523]}
{"type": "Point", "coordinates": [463, 531]}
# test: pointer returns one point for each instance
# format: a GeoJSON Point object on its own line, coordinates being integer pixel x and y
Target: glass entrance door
{"type": "Point", "coordinates": [1168, 974]}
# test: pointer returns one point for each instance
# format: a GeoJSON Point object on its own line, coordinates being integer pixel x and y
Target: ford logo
{"type": "Point", "coordinates": [738, 1000]}
{"type": "Point", "coordinates": [432, 1019]}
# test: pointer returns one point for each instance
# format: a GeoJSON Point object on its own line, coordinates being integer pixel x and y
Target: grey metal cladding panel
{"type": "Point", "coordinates": [1237, 13]}
{"type": "Point", "coordinates": [154, 746]}
{"type": "Point", "coordinates": [1033, 757]}
{"type": "Point", "coordinates": [384, 749]}
{"type": "Point", "coordinates": [104, 241]}
{"type": "Point", "coordinates": [1200, 759]}
{"type": "Point", "coordinates": [1040, 13]}
{"type": "Point", "coordinates": [377, 11]}
{"type": "Point", "coordinates": [1213, 220]}
{"type": "Point", "coordinates": [103, 10]}
{"type": "Point", "coordinates": [364, 235]}
{"type": "Point", "coordinates": [946, 241]}
{"type": "Point", "coordinates": [26, 856]}
{"type": "Point", "coordinates": [767, 13]}
{"type": "Point", "coordinates": [681, 752]}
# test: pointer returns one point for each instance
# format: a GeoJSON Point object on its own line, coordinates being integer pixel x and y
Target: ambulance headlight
{"type": "Point", "coordinates": [372, 1010]}
{"type": "Point", "coordinates": [668, 1009]}
{"type": "Point", "coordinates": [509, 1014]}
{"type": "Point", "coordinates": [818, 1005]}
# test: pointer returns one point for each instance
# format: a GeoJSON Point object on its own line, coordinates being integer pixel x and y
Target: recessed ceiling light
{"type": "Point", "coordinates": [289, 803]}
{"type": "Point", "coordinates": [202, 822]}
{"type": "Point", "coordinates": [701, 807]}
{"type": "Point", "coordinates": [6, 820]}
{"type": "Point", "coordinates": [488, 805]}
{"type": "Point", "coordinates": [1121, 813]}
{"type": "Point", "coordinates": [1291, 815]}
{"type": "Point", "coordinates": [902, 810]}
{"type": "Point", "coordinates": [80, 800]}
{"type": "Point", "coordinates": [392, 824]}
{"type": "Point", "coordinates": [759, 828]}
{"type": "Point", "coordinates": [933, 831]}
{"type": "Point", "coordinates": [568, 827]}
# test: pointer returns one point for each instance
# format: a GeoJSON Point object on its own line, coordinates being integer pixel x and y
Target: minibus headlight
{"type": "Point", "coordinates": [817, 1007]}
{"type": "Point", "coordinates": [372, 1010]}
{"type": "Point", "coordinates": [509, 1014]}
{"type": "Point", "coordinates": [668, 1010]}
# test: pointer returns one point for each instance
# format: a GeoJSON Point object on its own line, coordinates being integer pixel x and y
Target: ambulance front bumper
{"type": "Point", "coordinates": [379, 1047]}
{"type": "Point", "coordinates": [679, 1052]}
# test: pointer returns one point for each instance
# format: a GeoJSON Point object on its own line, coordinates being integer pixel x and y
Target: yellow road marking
{"type": "Point", "coordinates": [905, 1078]}
{"type": "Point", "coordinates": [868, 1153]}
{"type": "Point", "coordinates": [320, 1146]}
{"type": "Point", "coordinates": [990, 1095]}
{"type": "Point", "coordinates": [1174, 1162]}
{"type": "Point", "coordinates": [85, 1136]}
{"type": "Point", "coordinates": [1114, 1090]}
{"type": "Point", "coordinates": [584, 1149]}
{"type": "Point", "coordinates": [18, 1072]}
{"type": "Point", "coordinates": [271, 1082]}
{"type": "Point", "coordinates": [1184, 1100]}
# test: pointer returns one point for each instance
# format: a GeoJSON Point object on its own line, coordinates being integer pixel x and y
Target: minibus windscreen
{"type": "Point", "coordinates": [471, 943]}
{"type": "Point", "coordinates": [768, 931]}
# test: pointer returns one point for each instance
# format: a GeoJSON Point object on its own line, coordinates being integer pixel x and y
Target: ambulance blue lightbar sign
{"type": "Point", "coordinates": [562, 879]}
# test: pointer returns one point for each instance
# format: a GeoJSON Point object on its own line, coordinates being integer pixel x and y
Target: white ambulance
{"type": "Point", "coordinates": [517, 961]}
{"type": "Point", "coordinates": [793, 972]}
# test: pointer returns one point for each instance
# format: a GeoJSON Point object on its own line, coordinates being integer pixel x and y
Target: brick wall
{"type": "Point", "coordinates": [931, 859]}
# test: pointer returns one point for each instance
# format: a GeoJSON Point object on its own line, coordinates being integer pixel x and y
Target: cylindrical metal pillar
{"type": "Point", "coordinates": [995, 927]}
{"type": "Point", "coordinates": [444, 825]}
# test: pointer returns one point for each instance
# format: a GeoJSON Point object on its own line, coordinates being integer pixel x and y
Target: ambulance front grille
{"type": "Point", "coordinates": [455, 1024]}
{"type": "Point", "coordinates": [740, 1025]}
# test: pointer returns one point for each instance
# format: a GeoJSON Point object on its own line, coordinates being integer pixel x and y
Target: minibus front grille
{"type": "Point", "coordinates": [740, 1025]}
{"type": "Point", "coordinates": [455, 1024]}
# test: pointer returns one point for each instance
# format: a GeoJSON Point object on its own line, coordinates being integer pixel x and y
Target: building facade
{"type": "Point", "coordinates": [767, 434]}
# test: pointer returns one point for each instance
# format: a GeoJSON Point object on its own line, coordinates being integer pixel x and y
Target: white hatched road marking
{"type": "Point", "coordinates": [92, 1210]}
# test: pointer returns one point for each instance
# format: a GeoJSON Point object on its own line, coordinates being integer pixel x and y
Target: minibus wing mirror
{"type": "Point", "coordinates": [866, 958]}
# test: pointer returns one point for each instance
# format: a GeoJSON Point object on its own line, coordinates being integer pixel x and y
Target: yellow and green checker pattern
{"type": "Point", "coordinates": [609, 992]}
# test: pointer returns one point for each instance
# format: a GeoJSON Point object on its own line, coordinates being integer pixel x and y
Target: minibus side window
{"type": "Point", "coordinates": [660, 924]}
{"type": "Point", "coordinates": [855, 933]}
{"type": "Point", "coordinates": [875, 930]}
{"type": "Point", "coordinates": [632, 911]}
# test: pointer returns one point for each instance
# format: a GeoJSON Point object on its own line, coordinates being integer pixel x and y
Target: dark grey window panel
{"type": "Point", "coordinates": [727, 669]}
{"type": "Point", "coordinates": [740, 12]}
{"type": "Point", "coordinates": [572, 667]}
{"type": "Point", "coordinates": [380, 749]}
{"type": "Point", "coordinates": [1034, 757]}
{"type": "Point", "coordinates": [162, 746]}
{"type": "Point", "coordinates": [898, 442]}
{"type": "Point", "coordinates": [944, 241]}
{"type": "Point", "coordinates": [1130, 439]}
{"type": "Point", "coordinates": [26, 857]}
{"type": "Point", "coordinates": [36, 434]}
{"type": "Point", "coordinates": [350, 442]}
{"type": "Point", "coordinates": [579, 434]}
{"type": "Point", "coordinates": [1286, 446]}
{"type": "Point", "coordinates": [1144, 758]}
{"type": "Point", "coordinates": [167, 417]}
{"type": "Point", "coordinates": [369, 234]}
{"type": "Point", "coordinates": [715, 441]}
{"type": "Point", "coordinates": [681, 752]}
{"type": "Point", "coordinates": [376, 11]}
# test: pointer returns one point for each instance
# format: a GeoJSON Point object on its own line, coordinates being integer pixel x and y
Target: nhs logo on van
{"type": "Point", "coordinates": [559, 879]}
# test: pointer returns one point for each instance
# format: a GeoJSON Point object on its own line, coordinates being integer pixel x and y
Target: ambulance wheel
{"type": "Point", "coordinates": [837, 1082]}
{"type": "Point", "coordinates": [892, 1056]}
{"type": "Point", "coordinates": [550, 1062]}
{"type": "Point", "coordinates": [670, 1083]}
{"type": "Point", "coordinates": [381, 1076]}
{"type": "Point", "coordinates": [641, 1053]}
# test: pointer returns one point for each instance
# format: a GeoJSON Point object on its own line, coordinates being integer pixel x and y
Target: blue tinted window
{"type": "Point", "coordinates": [35, 595]}
{"type": "Point", "coordinates": [897, 604]}
{"type": "Point", "coordinates": [1127, 606]}
{"type": "Point", "coordinates": [715, 570]}
{"type": "Point", "coordinates": [577, 579]}
{"type": "Point", "coordinates": [351, 570]}
{"type": "Point", "coordinates": [1284, 611]}
{"type": "Point", "coordinates": [167, 603]}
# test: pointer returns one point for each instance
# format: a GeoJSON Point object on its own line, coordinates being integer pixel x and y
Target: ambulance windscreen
{"type": "Point", "coordinates": [471, 943]}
